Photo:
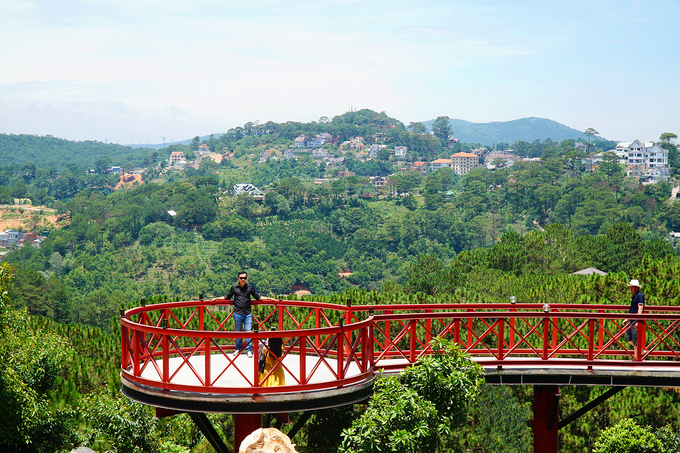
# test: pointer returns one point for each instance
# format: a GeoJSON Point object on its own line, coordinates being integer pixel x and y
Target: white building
{"type": "Point", "coordinates": [373, 150]}
{"type": "Point", "coordinates": [247, 188]}
{"type": "Point", "coordinates": [440, 163]}
{"type": "Point", "coordinates": [400, 152]}
{"type": "Point", "coordinates": [320, 153]}
{"type": "Point", "coordinates": [646, 161]}
{"type": "Point", "coordinates": [300, 141]}
{"type": "Point", "coordinates": [462, 163]}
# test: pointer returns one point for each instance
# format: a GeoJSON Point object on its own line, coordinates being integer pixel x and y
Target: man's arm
{"type": "Point", "coordinates": [254, 292]}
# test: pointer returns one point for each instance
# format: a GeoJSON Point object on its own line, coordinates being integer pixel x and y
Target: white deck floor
{"type": "Point", "coordinates": [235, 376]}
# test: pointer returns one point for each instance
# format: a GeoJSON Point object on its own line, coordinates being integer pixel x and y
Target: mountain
{"type": "Point", "coordinates": [182, 142]}
{"type": "Point", "coordinates": [47, 151]}
{"type": "Point", "coordinates": [525, 129]}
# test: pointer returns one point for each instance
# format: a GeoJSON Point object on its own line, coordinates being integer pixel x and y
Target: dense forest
{"type": "Point", "coordinates": [482, 237]}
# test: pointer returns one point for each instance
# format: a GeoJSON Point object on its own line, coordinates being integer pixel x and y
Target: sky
{"type": "Point", "coordinates": [123, 71]}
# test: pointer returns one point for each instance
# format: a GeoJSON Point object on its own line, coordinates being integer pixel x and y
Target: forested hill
{"type": "Point", "coordinates": [524, 129]}
{"type": "Point", "coordinates": [47, 151]}
{"type": "Point", "coordinates": [518, 230]}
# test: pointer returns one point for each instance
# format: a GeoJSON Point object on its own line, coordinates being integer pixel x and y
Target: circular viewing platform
{"type": "Point", "coordinates": [180, 355]}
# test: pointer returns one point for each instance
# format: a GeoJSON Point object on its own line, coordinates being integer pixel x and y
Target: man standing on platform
{"type": "Point", "coordinates": [637, 306]}
{"type": "Point", "coordinates": [243, 319]}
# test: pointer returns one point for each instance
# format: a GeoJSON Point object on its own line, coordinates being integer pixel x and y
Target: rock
{"type": "Point", "coordinates": [83, 450]}
{"type": "Point", "coordinates": [267, 440]}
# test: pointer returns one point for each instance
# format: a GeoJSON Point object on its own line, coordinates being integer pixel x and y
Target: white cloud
{"type": "Point", "coordinates": [135, 70]}
{"type": "Point", "coordinates": [16, 7]}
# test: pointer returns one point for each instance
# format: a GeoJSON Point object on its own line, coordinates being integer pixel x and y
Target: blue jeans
{"type": "Point", "coordinates": [243, 323]}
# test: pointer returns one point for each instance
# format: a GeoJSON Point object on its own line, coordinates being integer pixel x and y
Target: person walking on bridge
{"type": "Point", "coordinates": [243, 319]}
{"type": "Point", "coordinates": [637, 306]}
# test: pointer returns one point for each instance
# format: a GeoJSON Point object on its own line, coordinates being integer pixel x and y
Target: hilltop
{"type": "Point", "coordinates": [525, 129]}
{"type": "Point", "coordinates": [487, 134]}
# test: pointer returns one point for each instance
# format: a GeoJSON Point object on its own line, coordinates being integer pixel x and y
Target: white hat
{"type": "Point", "coordinates": [634, 282]}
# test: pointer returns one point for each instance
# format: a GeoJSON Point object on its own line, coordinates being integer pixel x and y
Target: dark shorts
{"type": "Point", "coordinates": [631, 334]}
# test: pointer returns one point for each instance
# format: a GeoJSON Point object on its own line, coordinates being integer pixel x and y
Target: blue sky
{"type": "Point", "coordinates": [137, 71]}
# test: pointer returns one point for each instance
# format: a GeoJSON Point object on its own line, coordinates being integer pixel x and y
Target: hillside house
{"type": "Point", "coordinates": [400, 152]}
{"type": "Point", "coordinates": [247, 189]}
{"type": "Point", "coordinates": [313, 142]}
{"type": "Point", "coordinates": [334, 161]}
{"type": "Point", "coordinates": [10, 237]}
{"type": "Point", "coordinates": [481, 152]}
{"type": "Point", "coordinates": [462, 163]}
{"type": "Point", "coordinates": [439, 164]}
{"type": "Point", "coordinates": [300, 141]}
{"type": "Point", "coordinates": [635, 171]}
{"type": "Point", "coordinates": [646, 161]}
{"type": "Point", "coordinates": [373, 150]}
{"type": "Point", "coordinates": [176, 156]}
{"type": "Point", "coordinates": [357, 143]}
{"type": "Point", "coordinates": [506, 158]}
{"type": "Point", "coordinates": [420, 167]}
{"type": "Point", "coordinates": [320, 153]}
{"type": "Point", "coordinates": [378, 181]}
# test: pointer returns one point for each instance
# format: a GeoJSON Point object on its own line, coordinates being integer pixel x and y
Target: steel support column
{"type": "Point", "coordinates": [244, 424]}
{"type": "Point", "coordinates": [546, 413]}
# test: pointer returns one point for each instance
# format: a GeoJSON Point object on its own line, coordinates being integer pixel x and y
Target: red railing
{"type": "Point", "coordinates": [185, 346]}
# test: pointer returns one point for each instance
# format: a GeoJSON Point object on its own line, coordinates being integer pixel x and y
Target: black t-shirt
{"type": "Point", "coordinates": [241, 297]}
{"type": "Point", "coordinates": [638, 299]}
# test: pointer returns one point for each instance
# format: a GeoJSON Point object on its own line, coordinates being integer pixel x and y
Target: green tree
{"type": "Point", "coordinates": [30, 362]}
{"type": "Point", "coordinates": [590, 132]}
{"type": "Point", "coordinates": [195, 142]}
{"type": "Point", "coordinates": [441, 128]}
{"type": "Point", "coordinates": [667, 142]}
{"type": "Point", "coordinates": [417, 410]}
{"type": "Point", "coordinates": [120, 425]}
{"type": "Point", "coordinates": [155, 233]}
{"type": "Point", "coordinates": [610, 165]}
{"type": "Point", "coordinates": [417, 128]}
{"type": "Point", "coordinates": [628, 437]}
{"type": "Point", "coordinates": [499, 423]}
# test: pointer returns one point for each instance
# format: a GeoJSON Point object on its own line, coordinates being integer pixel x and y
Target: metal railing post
{"type": "Point", "coordinates": [166, 352]}
{"type": "Point", "coordinates": [501, 338]}
{"type": "Point", "coordinates": [303, 360]}
{"type": "Point", "coordinates": [341, 349]}
{"type": "Point", "coordinates": [413, 343]}
{"type": "Point", "coordinates": [591, 339]}
{"type": "Point", "coordinates": [546, 337]}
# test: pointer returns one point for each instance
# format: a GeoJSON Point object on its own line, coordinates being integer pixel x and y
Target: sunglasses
{"type": "Point", "coordinates": [243, 278]}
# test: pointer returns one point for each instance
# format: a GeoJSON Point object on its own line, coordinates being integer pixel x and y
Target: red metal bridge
{"type": "Point", "coordinates": [179, 357]}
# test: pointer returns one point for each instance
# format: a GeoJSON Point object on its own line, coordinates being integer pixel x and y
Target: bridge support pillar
{"type": "Point", "coordinates": [244, 424]}
{"type": "Point", "coordinates": [546, 413]}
